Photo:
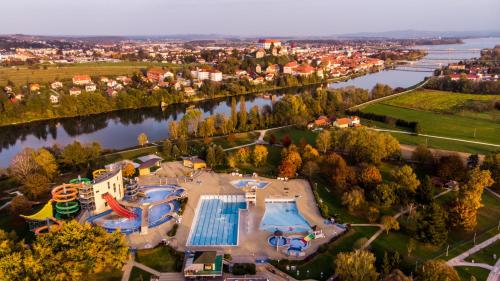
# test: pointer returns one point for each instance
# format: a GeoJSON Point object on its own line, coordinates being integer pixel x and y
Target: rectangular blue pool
{"type": "Point", "coordinates": [283, 215]}
{"type": "Point", "coordinates": [216, 220]}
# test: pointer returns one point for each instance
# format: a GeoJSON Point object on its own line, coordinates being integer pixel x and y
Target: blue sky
{"type": "Point", "coordinates": [244, 17]}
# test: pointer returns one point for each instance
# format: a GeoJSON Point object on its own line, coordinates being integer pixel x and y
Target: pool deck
{"type": "Point", "coordinates": [252, 241]}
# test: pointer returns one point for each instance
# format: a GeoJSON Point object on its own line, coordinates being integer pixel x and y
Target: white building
{"type": "Point", "coordinates": [267, 43]}
{"type": "Point", "coordinates": [216, 76]}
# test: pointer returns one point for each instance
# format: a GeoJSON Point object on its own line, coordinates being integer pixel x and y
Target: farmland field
{"type": "Point", "coordinates": [23, 75]}
{"type": "Point", "coordinates": [433, 111]}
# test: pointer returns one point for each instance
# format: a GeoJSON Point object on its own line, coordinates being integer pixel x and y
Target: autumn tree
{"type": "Point", "coordinates": [389, 223]}
{"type": "Point", "coordinates": [340, 174]}
{"type": "Point", "coordinates": [23, 164]}
{"type": "Point", "coordinates": [384, 195]}
{"type": "Point", "coordinates": [19, 205]}
{"type": "Point", "coordinates": [353, 199]}
{"type": "Point", "coordinates": [76, 154]}
{"type": "Point", "coordinates": [286, 141]}
{"type": "Point", "coordinates": [464, 209]}
{"type": "Point", "coordinates": [35, 185]}
{"type": "Point", "coordinates": [182, 145]}
{"type": "Point", "coordinates": [287, 169]}
{"type": "Point", "coordinates": [128, 170]}
{"type": "Point", "coordinates": [243, 155]}
{"type": "Point", "coordinates": [358, 265]}
{"type": "Point", "coordinates": [167, 149]}
{"type": "Point", "coordinates": [210, 157]}
{"type": "Point", "coordinates": [437, 270]}
{"type": "Point", "coordinates": [310, 169]}
{"type": "Point", "coordinates": [492, 163]}
{"type": "Point", "coordinates": [243, 119]}
{"type": "Point", "coordinates": [173, 130]}
{"type": "Point", "coordinates": [397, 275]}
{"type": "Point", "coordinates": [310, 153]}
{"type": "Point", "coordinates": [142, 139]}
{"type": "Point", "coordinates": [259, 155]}
{"type": "Point", "coordinates": [323, 141]}
{"type": "Point", "coordinates": [369, 176]}
{"type": "Point", "coordinates": [72, 253]}
{"type": "Point", "coordinates": [423, 155]}
{"type": "Point", "coordinates": [46, 162]}
{"type": "Point", "coordinates": [451, 167]}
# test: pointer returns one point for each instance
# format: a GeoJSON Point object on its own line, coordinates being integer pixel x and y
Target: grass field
{"type": "Point", "coordinates": [295, 134]}
{"type": "Point", "coordinates": [138, 274]}
{"type": "Point", "coordinates": [23, 75]}
{"type": "Point", "coordinates": [163, 259]}
{"type": "Point", "coordinates": [466, 272]}
{"type": "Point", "coordinates": [486, 255]}
{"type": "Point", "coordinates": [444, 102]}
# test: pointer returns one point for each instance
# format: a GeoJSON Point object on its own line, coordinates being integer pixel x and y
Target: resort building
{"type": "Point", "coordinates": [203, 264]}
{"type": "Point", "coordinates": [194, 163]}
{"type": "Point", "coordinates": [91, 194]}
{"type": "Point", "coordinates": [148, 166]}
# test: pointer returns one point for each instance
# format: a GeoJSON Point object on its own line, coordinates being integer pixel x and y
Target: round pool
{"type": "Point", "coordinates": [282, 241]}
{"type": "Point", "coordinates": [298, 243]}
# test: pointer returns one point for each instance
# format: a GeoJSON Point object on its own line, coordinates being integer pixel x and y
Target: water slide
{"type": "Point", "coordinates": [65, 196]}
{"type": "Point", "coordinates": [45, 214]}
{"type": "Point", "coordinates": [309, 237]}
{"type": "Point", "coordinates": [117, 208]}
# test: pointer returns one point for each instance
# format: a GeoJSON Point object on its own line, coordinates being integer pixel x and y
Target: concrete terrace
{"type": "Point", "coordinates": [252, 241]}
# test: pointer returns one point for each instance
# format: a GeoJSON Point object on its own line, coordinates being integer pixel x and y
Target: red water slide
{"type": "Point", "coordinates": [117, 208]}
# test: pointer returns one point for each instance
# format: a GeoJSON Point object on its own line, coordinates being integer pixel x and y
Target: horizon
{"type": "Point", "coordinates": [291, 18]}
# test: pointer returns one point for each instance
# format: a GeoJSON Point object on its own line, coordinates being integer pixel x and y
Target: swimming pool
{"type": "Point", "coordinates": [249, 183]}
{"type": "Point", "coordinates": [284, 216]}
{"type": "Point", "coordinates": [157, 193]}
{"type": "Point", "coordinates": [216, 220]}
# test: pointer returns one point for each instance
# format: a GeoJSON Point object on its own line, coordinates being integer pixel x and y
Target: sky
{"type": "Point", "coordinates": [244, 17]}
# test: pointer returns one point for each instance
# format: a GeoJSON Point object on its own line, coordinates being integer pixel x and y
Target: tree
{"type": "Point", "coordinates": [167, 149]}
{"type": "Point", "coordinates": [336, 168]}
{"type": "Point", "coordinates": [451, 167]}
{"type": "Point", "coordinates": [182, 145]}
{"type": "Point", "coordinates": [384, 195]}
{"type": "Point", "coordinates": [210, 158]}
{"type": "Point", "coordinates": [431, 225]}
{"type": "Point", "coordinates": [35, 185]}
{"type": "Point", "coordinates": [72, 253]}
{"type": "Point", "coordinates": [46, 163]}
{"type": "Point", "coordinates": [464, 209]}
{"type": "Point", "coordinates": [243, 114]}
{"type": "Point", "coordinates": [406, 179]}
{"type": "Point", "coordinates": [259, 155]}
{"type": "Point", "coordinates": [23, 164]}
{"type": "Point", "coordinates": [272, 139]}
{"type": "Point", "coordinates": [142, 139]}
{"type": "Point", "coordinates": [412, 245]}
{"type": "Point", "coordinates": [437, 270]}
{"type": "Point", "coordinates": [128, 170]}
{"type": "Point", "coordinates": [323, 141]}
{"type": "Point", "coordinates": [310, 153]}
{"type": "Point", "coordinates": [220, 155]}
{"type": "Point", "coordinates": [19, 205]}
{"type": "Point", "coordinates": [286, 141]}
{"type": "Point", "coordinates": [492, 163]}
{"type": "Point", "coordinates": [234, 113]}
{"type": "Point", "coordinates": [356, 266]}
{"type": "Point", "coordinates": [369, 176]}
{"type": "Point", "coordinates": [373, 214]}
{"type": "Point", "coordinates": [243, 155]}
{"type": "Point", "coordinates": [76, 154]}
{"type": "Point", "coordinates": [310, 169]}
{"type": "Point", "coordinates": [389, 223]}
{"type": "Point", "coordinates": [173, 130]}
{"type": "Point", "coordinates": [423, 155]}
{"type": "Point", "coordinates": [287, 169]}
{"type": "Point", "coordinates": [425, 194]}
{"type": "Point", "coordinates": [397, 275]}
{"type": "Point", "coordinates": [353, 199]}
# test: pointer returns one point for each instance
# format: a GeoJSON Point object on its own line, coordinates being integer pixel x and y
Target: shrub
{"type": "Point", "coordinates": [173, 231]}
{"type": "Point", "coordinates": [244, 269]}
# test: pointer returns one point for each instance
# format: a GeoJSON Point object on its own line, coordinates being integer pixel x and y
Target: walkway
{"type": "Point", "coordinates": [164, 276]}
{"type": "Point", "coordinates": [460, 259]}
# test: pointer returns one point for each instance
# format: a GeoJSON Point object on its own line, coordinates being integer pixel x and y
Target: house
{"type": "Point", "coordinates": [120, 164]}
{"type": "Point", "coordinates": [342, 123]}
{"type": "Point", "coordinates": [90, 87]}
{"type": "Point", "coordinates": [258, 68]}
{"type": "Point", "coordinates": [74, 91]}
{"type": "Point", "coordinates": [188, 91]}
{"type": "Point", "coordinates": [304, 70]}
{"type": "Point", "coordinates": [56, 85]}
{"type": "Point", "coordinates": [194, 163]}
{"type": "Point", "coordinates": [34, 87]}
{"type": "Point", "coordinates": [203, 264]}
{"type": "Point", "coordinates": [216, 76]}
{"type": "Point", "coordinates": [81, 80]}
{"type": "Point", "coordinates": [268, 43]}
{"type": "Point", "coordinates": [54, 99]}
{"type": "Point", "coordinates": [355, 121]}
{"type": "Point", "coordinates": [260, 53]}
{"type": "Point", "coordinates": [158, 74]}
{"type": "Point", "coordinates": [456, 66]}
{"type": "Point", "coordinates": [149, 166]}
{"type": "Point", "coordinates": [321, 121]}
{"type": "Point", "coordinates": [273, 69]}
{"type": "Point", "coordinates": [290, 67]}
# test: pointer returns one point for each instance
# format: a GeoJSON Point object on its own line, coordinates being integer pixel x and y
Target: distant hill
{"type": "Point", "coordinates": [418, 34]}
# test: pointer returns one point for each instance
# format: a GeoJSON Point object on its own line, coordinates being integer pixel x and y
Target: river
{"type": "Point", "coordinates": [118, 130]}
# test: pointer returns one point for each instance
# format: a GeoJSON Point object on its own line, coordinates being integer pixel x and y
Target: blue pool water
{"type": "Point", "coordinates": [253, 183]}
{"type": "Point", "coordinates": [155, 194]}
{"type": "Point", "coordinates": [282, 241]}
{"type": "Point", "coordinates": [283, 216]}
{"type": "Point", "coordinates": [216, 221]}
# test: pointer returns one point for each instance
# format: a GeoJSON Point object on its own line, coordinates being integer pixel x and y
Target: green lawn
{"type": "Point", "coordinates": [114, 275]}
{"type": "Point", "coordinates": [295, 134]}
{"type": "Point", "coordinates": [466, 272]}
{"type": "Point", "coordinates": [323, 260]}
{"type": "Point", "coordinates": [138, 274]}
{"type": "Point", "coordinates": [444, 102]}
{"type": "Point", "coordinates": [22, 75]}
{"type": "Point", "coordinates": [486, 254]}
{"type": "Point", "coordinates": [161, 258]}
{"type": "Point", "coordinates": [270, 169]}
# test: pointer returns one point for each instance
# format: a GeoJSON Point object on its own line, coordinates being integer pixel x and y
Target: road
{"type": "Point", "coordinates": [260, 140]}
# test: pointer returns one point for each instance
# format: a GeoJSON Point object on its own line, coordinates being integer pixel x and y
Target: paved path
{"type": "Point", "coordinates": [460, 259]}
{"type": "Point", "coordinates": [493, 192]}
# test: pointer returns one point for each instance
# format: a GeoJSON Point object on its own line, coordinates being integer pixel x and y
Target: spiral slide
{"type": "Point", "coordinates": [117, 208]}
{"type": "Point", "coordinates": [65, 196]}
